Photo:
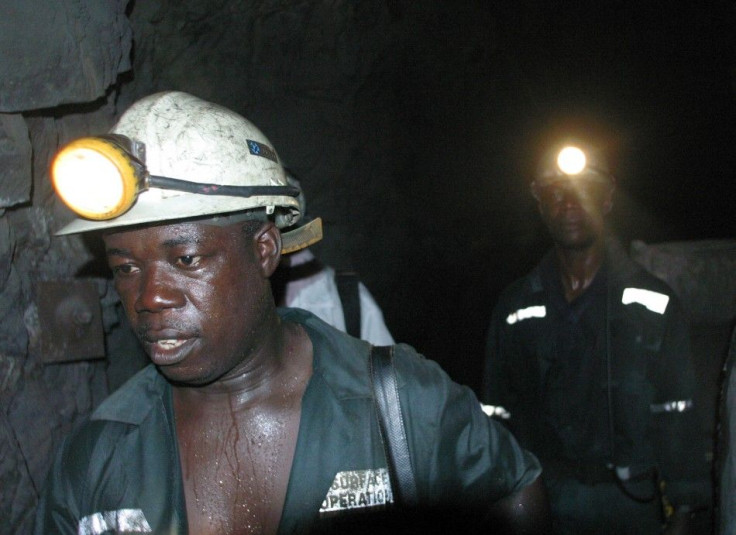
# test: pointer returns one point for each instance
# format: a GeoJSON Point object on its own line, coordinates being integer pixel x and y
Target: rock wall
{"type": "Point", "coordinates": [60, 61]}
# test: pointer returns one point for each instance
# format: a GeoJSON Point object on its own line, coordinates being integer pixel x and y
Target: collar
{"type": "Point", "coordinates": [340, 360]}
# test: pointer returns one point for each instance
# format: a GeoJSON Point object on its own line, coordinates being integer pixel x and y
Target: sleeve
{"type": "Point", "coordinates": [85, 489]}
{"type": "Point", "coordinates": [504, 376]}
{"type": "Point", "coordinates": [493, 389]}
{"type": "Point", "coordinates": [57, 512]}
{"type": "Point", "coordinates": [372, 325]}
{"type": "Point", "coordinates": [726, 471]}
{"type": "Point", "coordinates": [679, 446]}
{"type": "Point", "coordinates": [460, 454]}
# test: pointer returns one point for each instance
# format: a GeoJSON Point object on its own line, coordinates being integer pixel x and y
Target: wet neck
{"type": "Point", "coordinates": [285, 353]}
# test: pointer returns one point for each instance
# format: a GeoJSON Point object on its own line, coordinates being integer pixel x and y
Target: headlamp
{"type": "Point", "coordinates": [99, 178]}
{"type": "Point", "coordinates": [574, 162]}
{"type": "Point", "coordinates": [571, 160]}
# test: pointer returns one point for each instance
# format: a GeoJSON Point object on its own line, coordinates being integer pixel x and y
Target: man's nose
{"type": "Point", "coordinates": [571, 198]}
{"type": "Point", "coordinates": [158, 291]}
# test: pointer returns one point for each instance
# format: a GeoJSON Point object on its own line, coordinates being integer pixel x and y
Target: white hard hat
{"type": "Point", "coordinates": [206, 146]}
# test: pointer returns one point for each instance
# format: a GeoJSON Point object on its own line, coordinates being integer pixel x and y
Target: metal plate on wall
{"type": "Point", "coordinates": [70, 320]}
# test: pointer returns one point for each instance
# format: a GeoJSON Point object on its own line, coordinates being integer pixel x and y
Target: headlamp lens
{"type": "Point", "coordinates": [571, 160]}
{"type": "Point", "coordinates": [95, 178]}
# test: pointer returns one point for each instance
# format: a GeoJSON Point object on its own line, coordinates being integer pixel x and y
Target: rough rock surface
{"type": "Point", "coordinates": [61, 52]}
{"type": "Point", "coordinates": [53, 54]}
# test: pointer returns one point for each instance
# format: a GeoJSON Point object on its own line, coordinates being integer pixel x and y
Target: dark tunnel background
{"type": "Point", "coordinates": [414, 126]}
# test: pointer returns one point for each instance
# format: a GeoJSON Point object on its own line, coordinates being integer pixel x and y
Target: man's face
{"type": "Point", "coordinates": [574, 210]}
{"type": "Point", "coordinates": [196, 295]}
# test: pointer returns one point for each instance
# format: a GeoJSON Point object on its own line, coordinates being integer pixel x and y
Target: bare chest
{"type": "Point", "coordinates": [236, 469]}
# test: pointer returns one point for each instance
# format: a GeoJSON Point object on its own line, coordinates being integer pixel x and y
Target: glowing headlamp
{"type": "Point", "coordinates": [574, 163]}
{"type": "Point", "coordinates": [99, 178]}
{"type": "Point", "coordinates": [571, 160]}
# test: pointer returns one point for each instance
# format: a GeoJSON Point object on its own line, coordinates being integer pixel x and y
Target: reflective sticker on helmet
{"type": "Point", "coordinates": [358, 489]}
{"type": "Point", "coordinates": [654, 301]}
{"type": "Point", "coordinates": [537, 311]}
{"type": "Point", "coordinates": [120, 521]}
{"type": "Point", "coordinates": [259, 149]}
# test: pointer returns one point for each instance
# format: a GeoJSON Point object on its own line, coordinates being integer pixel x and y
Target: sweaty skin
{"type": "Point", "coordinates": [198, 296]}
{"type": "Point", "coordinates": [199, 299]}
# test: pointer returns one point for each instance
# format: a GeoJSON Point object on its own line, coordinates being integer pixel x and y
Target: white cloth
{"type": "Point", "coordinates": [318, 294]}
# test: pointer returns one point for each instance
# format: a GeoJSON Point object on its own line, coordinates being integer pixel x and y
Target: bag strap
{"type": "Point", "coordinates": [347, 288]}
{"type": "Point", "coordinates": [391, 425]}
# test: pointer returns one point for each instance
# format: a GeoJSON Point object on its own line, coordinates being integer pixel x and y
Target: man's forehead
{"type": "Point", "coordinates": [573, 182]}
{"type": "Point", "coordinates": [582, 187]}
{"type": "Point", "coordinates": [168, 234]}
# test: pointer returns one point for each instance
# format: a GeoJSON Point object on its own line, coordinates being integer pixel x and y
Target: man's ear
{"type": "Point", "coordinates": [268, 247]}
{"type": "Point", "coordinates": [608, 200]}
{"type": "Point", "coordinates": [534, 188]}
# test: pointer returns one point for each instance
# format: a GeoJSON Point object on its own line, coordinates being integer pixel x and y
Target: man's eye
{"type": "Point", "coordinates": [124, 269]}
{"type": "Point", "coordinates": [554, 195]}
{"type": "Point", "coordinates": [188, 260]}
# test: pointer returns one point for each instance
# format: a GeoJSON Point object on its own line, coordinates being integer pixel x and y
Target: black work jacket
{"type": "Point", "coordinates": [637, 337]}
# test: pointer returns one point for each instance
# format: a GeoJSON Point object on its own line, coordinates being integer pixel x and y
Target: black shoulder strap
{"type": "Point", "coordinates": [347, 287]}
{"type": "Point", "coordinates": [391, 425]}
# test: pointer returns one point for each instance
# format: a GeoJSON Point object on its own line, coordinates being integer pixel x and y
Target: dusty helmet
{"type": "Point", "coordinates": [218, 161]}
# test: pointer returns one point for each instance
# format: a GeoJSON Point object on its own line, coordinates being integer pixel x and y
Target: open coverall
{"type": "Point", "coordinates": [120, 471]}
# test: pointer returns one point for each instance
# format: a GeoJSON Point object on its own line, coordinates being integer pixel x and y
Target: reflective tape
{"type": "Point", "coordinates": [496, 411]}
{"type": "Point", "coordinates": [537, 311]}
{"type": "Point", "coordinates": [623, 472]}
{"type": "Point", "coordinates": [120, 521]}
{"type": "Point", "coordinates": [672, 406]}
{"type": "Point", "coordinates": [654, 301]}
